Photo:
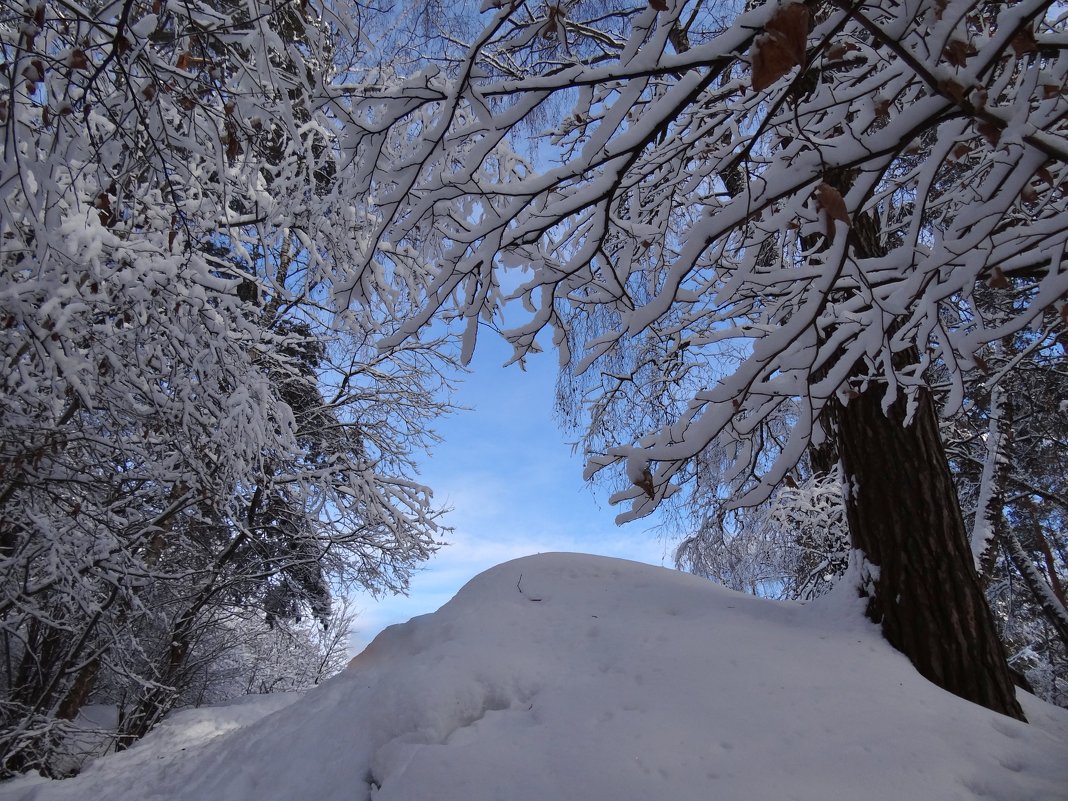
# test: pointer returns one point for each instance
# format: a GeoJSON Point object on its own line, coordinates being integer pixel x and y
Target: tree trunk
{"type": "Point", "coordinates": [80, 690]}
{"type": "Point", "coordinates": [157, 700]}
{"type": "Point", "coordinates": [904, 516]}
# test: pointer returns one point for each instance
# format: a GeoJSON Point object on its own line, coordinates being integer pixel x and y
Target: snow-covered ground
{"type": "Point", "coordinates": [564, 676]}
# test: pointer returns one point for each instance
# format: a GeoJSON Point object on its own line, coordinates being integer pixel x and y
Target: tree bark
{"type": "Point", "coordinates": [80, 690]}
{"type": "Point", "coordinates": [904, 516]}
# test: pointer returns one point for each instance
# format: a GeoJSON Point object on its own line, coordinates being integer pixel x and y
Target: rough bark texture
{"type": "Point", "coordinates": [904, 515]}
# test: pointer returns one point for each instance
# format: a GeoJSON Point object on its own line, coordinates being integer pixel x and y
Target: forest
{"type": "Point", "coordinates": [804, 267]}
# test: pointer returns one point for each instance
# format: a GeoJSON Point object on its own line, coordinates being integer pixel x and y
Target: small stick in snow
{"type": "Point", "coordinates": [520, 588]}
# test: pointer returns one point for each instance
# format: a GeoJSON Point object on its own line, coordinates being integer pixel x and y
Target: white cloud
{"type": "Point", "coordinates": [514, 487]}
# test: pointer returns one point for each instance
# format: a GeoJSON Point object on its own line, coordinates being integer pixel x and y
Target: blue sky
{"type": "Point", "coordinates": [514, 486]}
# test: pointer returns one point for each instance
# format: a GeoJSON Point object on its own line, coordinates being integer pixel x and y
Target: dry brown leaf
{"type": "Point", "coordinates": [836, 51]}
{"type": "Point", "coordinates": [781, 47]}
{"type": "Point", "coordinates": [791, 24]}
{"type": "Point", "coordinates": [990, 132]}
{"type": "Point", "coordinates": [232, 142]}
{"type": "Point", "coordinates": [34, 71]}
{"type": "Point", "coordinates": [103, 204]}
{"type": "Point", "coordinates": [658, 5]}
{"type": "Point", "coordinates": [1024, 42]}
{"type": "Point", "coordinates": [770, 62]}
{"type": "Point", "coordinates": [645, 483]}
{"type": "Point", "coordinates": [833, 204]}
{"type": "Point", "coordinates": [957, 52]}
{"type": "Point", "coordinates": [997, 279]}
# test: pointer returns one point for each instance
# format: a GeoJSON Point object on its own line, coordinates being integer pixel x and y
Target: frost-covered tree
{"type": "Point", "coordinates": [794, 546]}
{"type": "Point", "coordinates": [787, 208]}
{"type": "Point", "coordinates": [1007, 448]}
{"type": "Point", "coordinates": [189, 425]}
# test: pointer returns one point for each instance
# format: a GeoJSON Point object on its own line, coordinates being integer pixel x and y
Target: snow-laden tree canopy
{"type": "Point", "coordinates": [729, 216]}
{"type": "Point", "coordinates": [190, 432]}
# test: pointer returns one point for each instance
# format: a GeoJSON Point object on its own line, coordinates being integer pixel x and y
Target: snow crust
{"type": "Point", "coordinates": [566, 676]}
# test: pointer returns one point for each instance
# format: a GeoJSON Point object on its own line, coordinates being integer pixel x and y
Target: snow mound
{"type": "Point", "coordinates": [565, 676]}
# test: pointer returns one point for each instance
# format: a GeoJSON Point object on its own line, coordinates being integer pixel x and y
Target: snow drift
{"type": "Point", "coordinates": [565, 676]}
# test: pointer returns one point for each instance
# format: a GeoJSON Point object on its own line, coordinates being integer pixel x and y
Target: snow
{"type": "Point", "coordinates": [566, 676]}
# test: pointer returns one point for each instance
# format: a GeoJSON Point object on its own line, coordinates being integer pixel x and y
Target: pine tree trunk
{"type": "Point", "coordinates": [904, 516]}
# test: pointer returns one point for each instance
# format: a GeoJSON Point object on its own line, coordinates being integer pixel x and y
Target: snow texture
{"type": "Point", "coordinates": [565, 676]}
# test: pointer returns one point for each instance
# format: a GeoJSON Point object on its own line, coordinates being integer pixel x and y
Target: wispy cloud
{"type": "Point", "coordinates": [514, 488]}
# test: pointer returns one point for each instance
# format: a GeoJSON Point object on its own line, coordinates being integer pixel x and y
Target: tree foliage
{"type": "Point", "coordinates": [191, 431]}
{"type": "Point", "coordinates": [770, 234]}
{"type": "Point", "coordinates": [697, 219]}
{"type": "Point", "coordinates": [761, 240]}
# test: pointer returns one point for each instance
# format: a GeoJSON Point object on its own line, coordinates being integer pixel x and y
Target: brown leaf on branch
{"type": "Point", "coordinates": [781, 47]}
{"type": "Point", "coordinates": [997, 279]}
{"type": "Point", "coordinates": [1024, 42]}
{"type": "Point", "coordinates": [833, 204]}
{"type": "Point", "coordinates": [957, 52]}
{"type": "Point", "coordinates": [645, 483]}
{"type": "Point", "coordinates": [232, 142]}
{"type": "Point", "coordinates": [990, 132]}
{"type": "Point", "coordinates": [34, 72]}
{"type": "Point", "coordinates": [105, 212]}
{"type": "Point", "coordinates": [834, 53]}
{"type": "Point", "coordinates": [658, 5]}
